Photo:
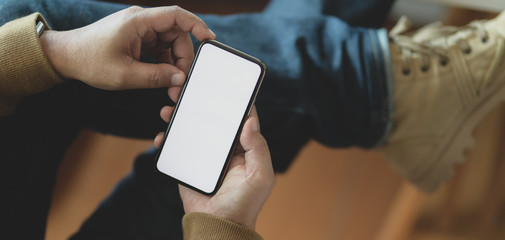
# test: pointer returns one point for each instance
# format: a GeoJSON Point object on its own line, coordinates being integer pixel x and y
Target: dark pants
{"type": "Point", "coordinates": [325, 80]}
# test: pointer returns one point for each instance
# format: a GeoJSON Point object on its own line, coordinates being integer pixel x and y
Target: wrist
{"type": "Point", "coordinates": [55, 47]}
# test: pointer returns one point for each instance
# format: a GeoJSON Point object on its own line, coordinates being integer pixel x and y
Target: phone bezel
{"type": "Point", "coordinates": [244, 116]}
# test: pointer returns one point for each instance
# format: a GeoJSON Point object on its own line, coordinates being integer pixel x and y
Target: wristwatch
{"type": "Point", "coordinates": [40, 27]}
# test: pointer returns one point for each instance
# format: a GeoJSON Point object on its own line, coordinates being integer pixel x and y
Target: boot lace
{"type": "Point", "coordinates": [433, 39]}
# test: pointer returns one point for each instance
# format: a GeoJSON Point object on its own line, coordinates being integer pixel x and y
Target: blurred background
{"type": "Point", "coordinates": [326, 193]}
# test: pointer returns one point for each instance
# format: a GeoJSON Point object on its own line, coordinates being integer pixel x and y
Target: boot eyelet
{"type": "Point", "coordinates": [406, 72]}
{"type": "Point", "coordinates": [444, 62]}
{"type": "Point", "coordinates": [468, 51]}
{"type": "Point", "coordinates": [424, 68]}
{"type": "Point", "coordinates": [485, 39]}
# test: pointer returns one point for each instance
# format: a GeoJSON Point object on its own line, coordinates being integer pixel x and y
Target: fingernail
{"type": "Point", "coordinates": [255, 126]}
{"type": "Point", "coordinates": [177, 79]}
{"type": "Point", "coordinates": [212, 32]}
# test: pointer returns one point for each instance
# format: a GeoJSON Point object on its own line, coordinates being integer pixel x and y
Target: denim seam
{"type": "Point", "coordinates": [384, 46]}
{"type": "Point", "coordinates": [382, 77]}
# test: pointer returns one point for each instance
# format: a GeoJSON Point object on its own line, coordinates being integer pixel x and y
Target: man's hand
{"type": "Point", "coordinates": [247, 184]}
{"type": "Point", "coordinates": [106, 54]}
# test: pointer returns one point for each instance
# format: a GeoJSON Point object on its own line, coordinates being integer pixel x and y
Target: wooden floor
{"type": "Point", "coordinates": [326, 194]}
{"type": "Point", "coordinates": [308, 202]}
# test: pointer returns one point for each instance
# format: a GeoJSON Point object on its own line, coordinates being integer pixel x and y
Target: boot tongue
{"type": "Point", "coordinates": [434, 34]}
{"type": "Point", "coordinates": [500, 18]}
{"type": "Point", "coordinates": [433, 31]}
{"type": "Point", "coordinates": [498, 24]}
{"type": "Point", "coordinates": [403, 25]}
{"type": "Point", "coordinates": [438, 35]}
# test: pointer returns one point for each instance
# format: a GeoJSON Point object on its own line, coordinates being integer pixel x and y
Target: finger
{"type": "Point", "coordinates": [254, 114]}
{"type": "Point", "coordinates": [166, 113]}
{"type": "Point", "coordinates": [149, 75]}
{"type": "Point", "coordinates": [158, 139]}
{"type": "Point", "coordinates": [162, 19]}
{"type": "Point", "coordinates": [239, 149]}
{"type": "Point", "coordinates": [182, 48]}
{"type": "Point", "coordinates": [154, 48]}
{"type": "Point", "coordinates": [183, 53]}
{"type": "Point", "coordinates": [166, 57]}
{"type": "Point", "coordinates": [251, 138]}
{"type": "Point", "coordinates": [174, 93]}
{"type": "Point", "coordinates": [236, 160]}
{"type": "Point", "coordinates": [257, 154]}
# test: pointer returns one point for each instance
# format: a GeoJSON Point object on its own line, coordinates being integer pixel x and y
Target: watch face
{"type": "Point", "coordinates": [40, 27]}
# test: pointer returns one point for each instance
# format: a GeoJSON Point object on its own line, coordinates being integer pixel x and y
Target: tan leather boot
{"type": "Point", "coordinates": [446, 80]}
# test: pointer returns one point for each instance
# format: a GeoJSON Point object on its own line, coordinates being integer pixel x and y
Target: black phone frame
{"type": "Point", "coordinates": [244, 117]}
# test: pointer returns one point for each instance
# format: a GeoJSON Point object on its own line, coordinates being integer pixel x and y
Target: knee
{"type": "Point", "coordinates": [13, 9]}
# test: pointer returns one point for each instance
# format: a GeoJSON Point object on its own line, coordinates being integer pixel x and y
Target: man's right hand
{"type": "Point", "coordinates": [247, 184]}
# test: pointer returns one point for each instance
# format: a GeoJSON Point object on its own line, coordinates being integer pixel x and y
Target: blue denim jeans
{"type": "Point", "coordinates": [326, 80]}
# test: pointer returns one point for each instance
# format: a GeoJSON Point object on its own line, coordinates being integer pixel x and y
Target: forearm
{"type": "Point", "coordinates": [24, 67]}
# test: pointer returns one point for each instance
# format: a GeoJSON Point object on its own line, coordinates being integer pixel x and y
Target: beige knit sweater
{"type": "Point", "coordinates": [25, 70]}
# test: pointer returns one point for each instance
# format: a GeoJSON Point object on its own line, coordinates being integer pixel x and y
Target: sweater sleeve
{"type": "Point", "coordinates": [24, 68]}
{"type": "Point", "coordinates": [207, 226]}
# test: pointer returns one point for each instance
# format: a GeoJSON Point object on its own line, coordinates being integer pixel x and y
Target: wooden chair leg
{"type": "Point", "coordinates": [496, 195]}
{"type": "Point", "coordinates": [404, 211]}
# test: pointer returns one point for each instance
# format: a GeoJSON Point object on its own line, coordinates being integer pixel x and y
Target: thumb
{"type": "Point", "coordinates": [257, 154]}
{"type": "Point", "coordinates": [150, 75]}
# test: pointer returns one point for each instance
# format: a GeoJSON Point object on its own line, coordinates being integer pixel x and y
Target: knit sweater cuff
{"type": "Point", "coordinates": [207, 226]}
{"type": "Point", "coordinates": [24, 67]}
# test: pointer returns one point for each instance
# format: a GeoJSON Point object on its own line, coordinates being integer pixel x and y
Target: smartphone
{"type": "Point", "coordinates": [216, 99]}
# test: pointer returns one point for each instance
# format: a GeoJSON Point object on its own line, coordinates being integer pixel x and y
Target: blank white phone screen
{"type": "Point", "coordinates": [209, 115]}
